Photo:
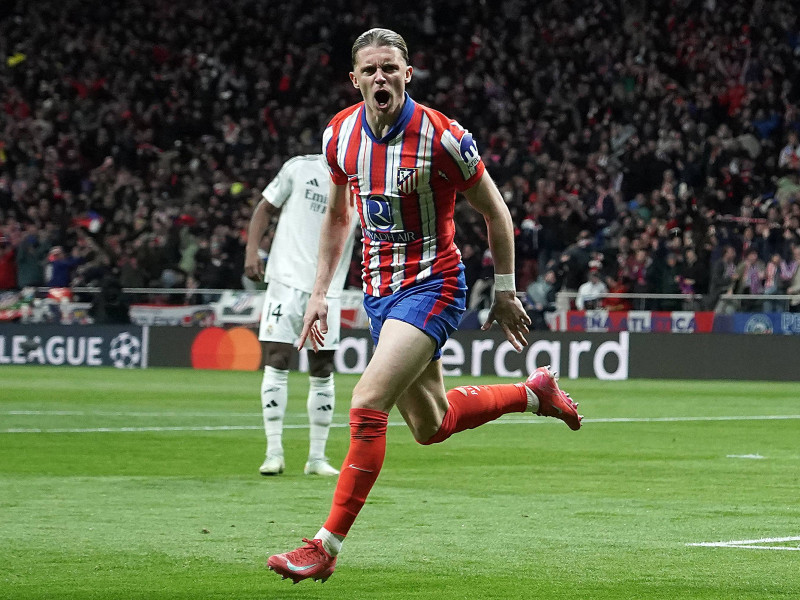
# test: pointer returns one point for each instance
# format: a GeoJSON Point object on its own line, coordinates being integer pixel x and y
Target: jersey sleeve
{"type": "Point", "coordinates": [279, 189]}
{"type": "Point", "coordinates": [329, 143]}
{"type": "Point", "coordinates": [462, 166]}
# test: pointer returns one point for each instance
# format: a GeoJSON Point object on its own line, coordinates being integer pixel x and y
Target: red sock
{"type": "Point", "coordinates": [472, 406]}
{"type": "Point", "coordinates": [360, 469]}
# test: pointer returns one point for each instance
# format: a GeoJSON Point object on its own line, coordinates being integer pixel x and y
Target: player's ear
{"type": "Point", "coordinates": [354, 79]}
{"type": "Point", "coordinates": [409, 71]}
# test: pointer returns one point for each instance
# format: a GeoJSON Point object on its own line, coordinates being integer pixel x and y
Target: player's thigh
{"type": "Point", "coordinates": [424, 403]}
{"type": "Point", "coordinates": [402, 354]}
{"type": "Point", "coordinates": [282, 314]}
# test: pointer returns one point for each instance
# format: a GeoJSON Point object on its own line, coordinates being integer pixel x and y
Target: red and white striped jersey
{"type": "Point", "coordinates": [404, 187]}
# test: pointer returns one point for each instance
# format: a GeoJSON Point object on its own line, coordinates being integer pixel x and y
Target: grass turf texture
{"type": "Point", "coordinates": [511, 510]}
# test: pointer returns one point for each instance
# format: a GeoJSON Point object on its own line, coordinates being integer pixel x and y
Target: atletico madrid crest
{"type": "Point", "coordinates": [407, 179]}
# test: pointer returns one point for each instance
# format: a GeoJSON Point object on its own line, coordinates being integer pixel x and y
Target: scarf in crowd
{"type": "Point", "coordinates": [754, 280]}
{"type": "Point", "coordinates": [788, 269]}
{"type": "Point", "coordinates": [771, 279]}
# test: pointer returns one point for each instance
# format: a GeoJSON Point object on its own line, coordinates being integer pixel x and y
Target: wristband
{"type": "Point", "coordinates": [504, 283]}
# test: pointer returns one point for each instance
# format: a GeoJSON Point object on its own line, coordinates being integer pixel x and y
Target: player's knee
{"type": "Point", "coordinates": [320, 364]}
{"type": "Point", "coordinates": [372, 399]}
{"type": "Point", "coordinates": [276, 356]}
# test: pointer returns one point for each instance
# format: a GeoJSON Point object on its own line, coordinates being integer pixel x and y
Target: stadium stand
{"type": "Point", "coordinates": [641, 137]}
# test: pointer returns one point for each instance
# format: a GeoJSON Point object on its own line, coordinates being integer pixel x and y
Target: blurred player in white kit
{"type": "Point", "coordinates": [300, 193]}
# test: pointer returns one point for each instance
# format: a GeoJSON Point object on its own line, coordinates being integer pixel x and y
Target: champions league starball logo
{"type": "Point", "coordinates": [126, 351]}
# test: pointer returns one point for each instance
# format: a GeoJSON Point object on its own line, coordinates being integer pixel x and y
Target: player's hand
{"type": "Point", "coordinates": [315, 323]}
{"type": "Point", "coordinates": [253, 265]}
{"type": "Point", "coordinates": [507, 310]}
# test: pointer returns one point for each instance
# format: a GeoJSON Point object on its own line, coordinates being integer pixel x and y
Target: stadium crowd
{"type": "Point", "coordinates": [641, 146]}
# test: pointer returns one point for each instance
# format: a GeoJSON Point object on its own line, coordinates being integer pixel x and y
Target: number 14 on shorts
{"type": "Point", "coordinates": [274, 313]}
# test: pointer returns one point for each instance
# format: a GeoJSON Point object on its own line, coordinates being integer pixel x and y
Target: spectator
{"type": "Point", "coordinates": [31, 256]}
{"type": "Point", "coordinates": [61, 266]}
{"type": "Point", "coordinates": [668, 281]}
{"type": "Point", "coordinates": [693, 276]}
{"type": "Point", "coordinates": [617, 286]}
{"type": "Point", "coordinates": [542, 299]}
{"type": "Point", "coordinates": [590, 293]}
{"type": "Point", "coordinates": [109, 305]}
{"type": "Point", "coordinates": [722, 280]}
{"type": "Point", "coordinates": [793, 282]}
{"type": "Point", "coordinates": [789, 158]}
{"type": "Point", "coordinates": [749, 278]}
{"type": "Point", "coordinates": [8, 265]}
{"type": "Point", "coordinates": [772, 284]}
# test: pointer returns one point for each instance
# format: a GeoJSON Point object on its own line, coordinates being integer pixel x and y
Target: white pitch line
{"type": "Point", "coordinates": [143, 429]}
{"type": "Point", "coordinates": [392, 424]}
{"type": "Point", "coordinates": [102, 413]}
{"type": "Point", "coordinates": [681, 419]}
{"type": "Point", "coordinates": [752, 544]}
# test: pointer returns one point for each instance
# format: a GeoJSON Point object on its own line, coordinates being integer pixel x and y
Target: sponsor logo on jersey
{"type": "Point", "coordinates": [396, 237]}
{"type": "Point", "coordinates": [407, 179]}
{"type": "Point", "coordinates": [469, 151]}
{"type": "Point", "coordinates": [378, 213]}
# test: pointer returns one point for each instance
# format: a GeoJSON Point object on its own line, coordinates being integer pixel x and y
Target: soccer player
{"type": "Point", "coordinates": [300, 192]}
{"type": "Point", "coordinates": [404, 163]}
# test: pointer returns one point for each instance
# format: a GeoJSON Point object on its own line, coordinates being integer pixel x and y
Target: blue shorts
{"type": "Point", "coordinates": [434, 306]}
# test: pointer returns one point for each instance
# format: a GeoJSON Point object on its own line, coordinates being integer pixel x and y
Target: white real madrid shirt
{"type": "Point", "coordinates": [300, 190]}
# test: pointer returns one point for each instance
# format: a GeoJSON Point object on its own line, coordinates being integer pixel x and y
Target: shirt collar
{"type": "Point", "coordinates": [399, 125]}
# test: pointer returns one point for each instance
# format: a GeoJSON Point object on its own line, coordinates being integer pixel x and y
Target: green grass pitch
{"type": "Point", "coordinates": [144, 484]}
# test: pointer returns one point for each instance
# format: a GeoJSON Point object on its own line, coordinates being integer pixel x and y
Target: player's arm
{"type": "Point", "coordinates": [506, 308]}
{"type": "Point", "coordinates": [333, 235]}
{"type": "Point", "coordinates": [259, 222]}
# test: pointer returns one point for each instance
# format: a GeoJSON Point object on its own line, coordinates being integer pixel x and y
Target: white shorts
{"type": "Point", "coordinates": [282, 317]}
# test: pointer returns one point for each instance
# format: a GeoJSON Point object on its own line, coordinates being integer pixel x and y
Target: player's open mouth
{"type": "Point", "coordinates": [382, 98]}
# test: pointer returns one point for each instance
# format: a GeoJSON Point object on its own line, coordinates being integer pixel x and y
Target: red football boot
{"type": "Point", "coordinates": [553, 402]}
{"type": "Point", "coordinates": [307, 562]}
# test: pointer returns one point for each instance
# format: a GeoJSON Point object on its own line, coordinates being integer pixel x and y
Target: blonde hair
{"type": "Point", "coordinates": [380, 37]}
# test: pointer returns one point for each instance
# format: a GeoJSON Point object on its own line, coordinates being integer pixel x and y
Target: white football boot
{"type": "Point", "coordinates": [320, 466]}
{"type": "Point", "coordinates": [272, 465]}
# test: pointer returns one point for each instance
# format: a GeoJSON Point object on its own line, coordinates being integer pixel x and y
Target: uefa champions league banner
{"type": "Point", "coordinates": [124, 347]}
{"type": "Point", "coordinates": [784, 323]}
{"type": "Point", "coordinates": [645, 321]}
{"type": "Point", "coordinates": [634, 321]}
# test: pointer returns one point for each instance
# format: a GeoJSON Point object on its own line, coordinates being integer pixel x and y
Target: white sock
{"type": "Point", "coordinates": [533, 400]}
{"type": "Point", "coordinates": [320, 405]}
{"type": "Point", "coordinates": [330, 541]}
{"type": "Point", "coordinates": [274, 395]}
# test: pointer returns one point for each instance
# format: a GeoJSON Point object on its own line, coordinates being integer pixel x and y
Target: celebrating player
{"type": "Point", "coordinates": [300, 191]}
{"type": "Point", "coordinates": [404, 163]}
